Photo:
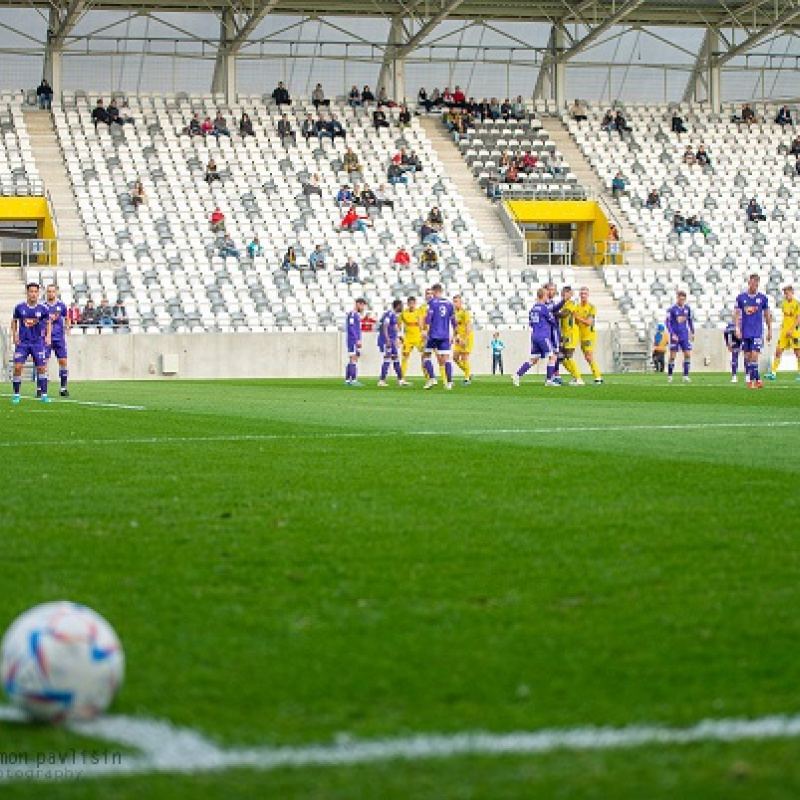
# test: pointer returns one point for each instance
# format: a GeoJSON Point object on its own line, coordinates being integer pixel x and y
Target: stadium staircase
{"type": "Point", "coordinates": [74, 253]}
{"type": "Point", "coordinates": [483, 211]}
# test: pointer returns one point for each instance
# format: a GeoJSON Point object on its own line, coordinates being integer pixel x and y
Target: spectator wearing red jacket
{"type": "Point", "coordinates": [217, 220]}
{"type": "Point", "coordinates": [402, 257]}
{"type": "Point", "coordinates": [459, 98]}
{"type": "Point", "coordinates": [353, 221]}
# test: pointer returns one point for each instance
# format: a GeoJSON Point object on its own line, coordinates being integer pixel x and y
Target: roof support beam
{"type": "Point", "coordinates": [751, 41]}
{"type": "Point", "coordinates": [392, 75]}
{"type": "Point", "coordinates": [420, 35]}
{"type": "Point", "coordinates": [253, 21]}
{"type": "Point", "coordinates": [596, 32]}
{"type": "Point", "coordinates": [697, 77]}
{"type": "Point", "coordinates": [66, 22]}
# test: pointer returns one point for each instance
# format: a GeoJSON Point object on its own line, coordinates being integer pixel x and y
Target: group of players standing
{"type": "Point", "coordinates": [39, 330]}
{"type": "Point", "coordinates": [444, 328]}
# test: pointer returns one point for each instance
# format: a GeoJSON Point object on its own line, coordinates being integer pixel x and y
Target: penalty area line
{"type": "Point", "coordinates": [163, 747]}
{"type": "Point", "coordinates": [90, 403]}
{"type": "Point", "coordinates": [487, 432]}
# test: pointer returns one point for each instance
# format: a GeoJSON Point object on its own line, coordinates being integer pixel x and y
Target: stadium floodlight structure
{"type": "Point", "coordinates": [575, 36]}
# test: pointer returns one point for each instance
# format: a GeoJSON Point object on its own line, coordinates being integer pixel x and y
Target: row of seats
{"type": "Point", "coordinates": [18, 173]}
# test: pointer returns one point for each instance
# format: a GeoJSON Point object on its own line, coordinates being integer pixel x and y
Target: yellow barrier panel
{"type": "Point", "coordinates": [31, 209]}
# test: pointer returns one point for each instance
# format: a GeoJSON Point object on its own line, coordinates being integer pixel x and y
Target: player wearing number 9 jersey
{"type": "Point", "coordinates": [440, 321]}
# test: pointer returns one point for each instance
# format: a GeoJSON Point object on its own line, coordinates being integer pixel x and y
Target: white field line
{"type": "Point", "coordinates": [164, 747]}
{"type": "Point", "coordinates": [488, 432]}
{"type": "Point", "coordinates": [61, 401]}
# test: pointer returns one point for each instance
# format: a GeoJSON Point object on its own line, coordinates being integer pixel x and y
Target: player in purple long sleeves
{"type": "Point", "coordinates": [60, 329]}
{"type": "Point", "coordinates": [680, 326]}
{"type": "Point", "coordinates": [388, 343]}
{"type": "Point", "coordinates": [441, 324]}
{"type": "Point", "coordinates": [541, 321]}
{"type": "Point", "coordinates": [749, 315]}
{"type": "Point", "coordinates": [31, 329]}
{"type": "Point", "coordinates": [554, 305]}
{"type": "Point", "coordinates": [353, 333]}
{"type": "Point", "coordinates": [734, 345]}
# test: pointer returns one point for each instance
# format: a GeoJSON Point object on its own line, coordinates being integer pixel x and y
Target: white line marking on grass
{"type": "Point", "coordinates": [488, 432]}
{"type": "Point", "coordinates": [164, 747]}
{"type": "Point", "coordinates": [93, 404]}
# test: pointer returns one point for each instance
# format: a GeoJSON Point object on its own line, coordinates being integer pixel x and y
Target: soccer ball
{"type": "Point", "coordinates": [61, 661]}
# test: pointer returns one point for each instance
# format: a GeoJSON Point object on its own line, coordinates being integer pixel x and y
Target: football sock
{"type": "Point", "coordinates": [595, 370]}
{"type": "Point", "coordinates": [557, 367]}
{"type": "Point", "coordinates": [384, 369]}
{"type": "Point", "coordinates": [734, 364]}
{"type": "Point", "coordinates": [428, 364]}
{"type": "Point", "coordinates": [443, 373]}
{"type": "Point", "coordinates": [62, 373]}
{"type": "Point", "coordinates": [17, 383]}
{"type": "Point", "coordinates": [448, 371]}
{"type": "Point", "coordinates": [467, 370]}
{"type": "Point", "coordinates": [572, 368]}
{"type": "Point", "coordinates": [686, 365]}
{"type": "Point", "coordinates": [405, 366]}
{"type": "Point", "coordinates": [756, 376]}
{"type": "Point", "coordinates": [347, 371]}
{"type": "Point", "coordinates": [551, 370]}
{"type": "Point", "coordinates": [776, 362]}
{"type": "Point", "coordinates": [671, 367]}
{"type": "Point", "coordinates": [397, 370]}
{"type": "Point", "coordinates": [43, 383]}
{"type": "Point", "coordinates": [524, 368]}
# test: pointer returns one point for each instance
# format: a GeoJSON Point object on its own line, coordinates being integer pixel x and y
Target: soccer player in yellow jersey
{"type": "Point", "coordinates": [789, 338]}
{"type": "Point", "coordinates": [465, 339]}
{"type": "Point", "coordinates": [411, 328]}
{"type": "Point", "coordinates": [585, 316]}
{"type": "Point", "coordinates": [569, 335]}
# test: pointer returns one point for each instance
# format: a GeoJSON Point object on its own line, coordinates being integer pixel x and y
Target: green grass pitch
{"type": "Point", "coordinates": [290, 561]}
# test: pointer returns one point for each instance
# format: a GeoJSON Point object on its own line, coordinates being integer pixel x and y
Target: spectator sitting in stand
{"type": "Point", "coordinates": [217, 221]}
{"type": "Point", "coordinates": [120, 314]}
{"type": "Point", "coordinates": [578, 111]}
{"type": "Point", "coordinates": [317, 259]}
{"type": "Point", "coordinates": [353, 221]}
{"type": "Point", "coordinates": [429, 259]}
{"type": "Point", "coordinates": [754, 212]}
{"type": "Point", "coordinates": [212, 173]}
{"type": "Point", "coordinates": [336, 128]}
{"type": "Point", "coordinates": [621, 124]}
{"type": "Point", "coordinates": [138, 196]}
{"type": "Point", "coordinates": [447, 97]}
{"type": "Point", "coordinates": [113, 114]}
{"type": "Point", "coordinates": [354, 97]}
{"type": "Point", "coordinates": [367, 96]}
{"type": "Point", "coordinates": [350, 269]}
{"type": "Point", "coordinates": [678, 222]}
{"type": "Point", "coordinates": [89, 315]}
{"type": "Point", "coordinates": [748, 116]}
{"type": "Point", "coordinates": [221, 126]}
{"type": "Point", "coordinates": [350, 162]}
{"type": "Point", "coordinates": [344, 196]}
{"type": "Point", "coordinates": [494, 187]}
{"type": "Point", "coordinates": [195, 127]}
{"type": "Point", "coordinates": [308, 128]}
{"type": "Point", "coordinates": [677, 123]}
{"type": "Point", "coordinates": [795, 146]}
{"type": "Point", "coordinates": [701, 157]}
{"type": "Point", "coordinates": [618, 185]}
{"type": "Point", "coordinates": [404, 117]}
{"type": "Point", "coordinates": [289, 260]}
{"type": "Point", "coordinates": [797, 166]}
{"type": "Point", "coordinates": [281, 95]}
{"type": "Point", "coordinates": [254, 249]}
{"type": "Point", "coordinates": [384, 99]}
{"type": "Point", "coordinates": [428, 234]}
{"type": "Point", "coordinates": [318, 97]}
{"type": "Point", "coordinates": [74, 314]}
{"type": "Point", "coordinates": [368, 198]}
{"type": "Point", "coordinates": [395, 175]}
{"type": "Point", "coordinates": [653, 200]}
{"type": "Point", "coordinates": [105, 314]}
{"type": "Point", "coordinates": [44, 95]}
{"type": "Point", "coordinates": [207, 127]}
{"type": "Point", "coordinates": [285, 130]}
{"type": "Point", "coordinates": [494, 109]}
{"type": "Point", "coordinates": [402, 257]}
{"type": "Point", "coordinates": [379, 119]}
{"type": "Point", "coordinates": [784, 117]}
{"type": "Point", "coordinates": [506, 110]}
{"type": "Point", "coordinates": [311, 186]}
{"type": "Point", "coordinates": [512, 175]}
{"type": "Point", "coordinates": [381, 198]}
{"type": "Point", "coordinates": [423, 100]}
{"type": "Point", "coordinates": [607, 123]}
{"type": "Point", "coordinates": [125, 114]}
{"type": "Point", "coordinates": [100, 114]}
{"type": "Point", "coordinates": [323, 129]}
{"type": "Point", "coordinates": [694, 225]}
{"type": "Point", "coordinates": [688, 156]}
{"type": "Point", "coordinates": [459, 98]}
{"type": "Point", "coordinates": [246, 126]}
{"type": "Point", "coordinates": [228, 248]}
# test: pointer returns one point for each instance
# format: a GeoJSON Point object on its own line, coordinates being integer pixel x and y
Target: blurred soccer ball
{"type": "Point", "coordinates": [61, 661]}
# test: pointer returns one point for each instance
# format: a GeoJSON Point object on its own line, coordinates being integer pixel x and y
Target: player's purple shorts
{"type": "Point", "coordinates": [353, 349]}
{"type": "Point", "coordinates": [682, 344]}
{"type": "Point", "coordinates": [35, 351]}
{"type": "Point", "coordinates": [59, 348]}
{"type": "Point", "coordinates": [541, 348]}
{"type": "Point", "coordinates": [439, 345]}
{"type": "Point", "coordinates": [753, 345]}
{"type": "Point", "coordinates": [390, 349]}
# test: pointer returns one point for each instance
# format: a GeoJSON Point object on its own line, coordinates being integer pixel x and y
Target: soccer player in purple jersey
{"type": "Point", "coordinates": [680, 326]}
{"type": "Point", "coordinates": [554, 306]}
{"type": "Point", "coordinates": [749, 315]}
{"type": "Point", "coordinates": [541, 321]}
{"type": "Point", "coordinates": [441, 323]}
{"type": "Point", "coordinates": [734, 345]}
{"type": "Point", "coordinates": [353, 333]}
{"type": "Point", "coordinates": [60, 330]}
{"type": "Point", "coordinates": [31, 329]}
{"type": "Point", "coordinates": [388, 343]}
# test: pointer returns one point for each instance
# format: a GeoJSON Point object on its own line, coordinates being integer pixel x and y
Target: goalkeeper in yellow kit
{"type": "Point", "coordinates": [411, 322]}
{"type": "Point", "coordinates": [789, 337]}
{"type": "Point", "coordinates": [464, 342]}
{"type": "Point", "coordinates": [569, 335]}
{"type": "Point", "coordinates": [585, 316]}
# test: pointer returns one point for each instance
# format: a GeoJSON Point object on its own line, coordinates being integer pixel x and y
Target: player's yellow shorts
{"type": "Point", "coordinates": [789, 340]}
{"type": "Point", "coordinates": [570, 342]}
{"type": "Point", "coordinates": [465, 348]}
{"type": "Point", "coordinates": [410, 345]}
{"type": "Point", "coordinates": [588, 344]}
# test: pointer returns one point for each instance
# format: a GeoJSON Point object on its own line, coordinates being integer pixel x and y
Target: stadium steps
{"type": "Point", "coordinates": [483, 211]}
{"type": "Point", "coordinates": [50, 162]}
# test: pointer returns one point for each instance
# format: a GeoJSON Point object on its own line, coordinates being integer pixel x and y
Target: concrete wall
{"type": "Point", "coordinates": [300, 355]}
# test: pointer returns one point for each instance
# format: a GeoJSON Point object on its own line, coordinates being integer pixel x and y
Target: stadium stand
{"type": "Point", "coordinates": [18, 173]}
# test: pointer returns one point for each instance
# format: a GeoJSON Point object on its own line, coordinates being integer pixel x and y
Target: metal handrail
{"type": "Point", "coordinates": [4, 354]}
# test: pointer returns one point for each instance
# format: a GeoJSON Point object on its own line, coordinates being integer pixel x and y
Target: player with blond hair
{"type": "Point", "coordinates": [464, 341]}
